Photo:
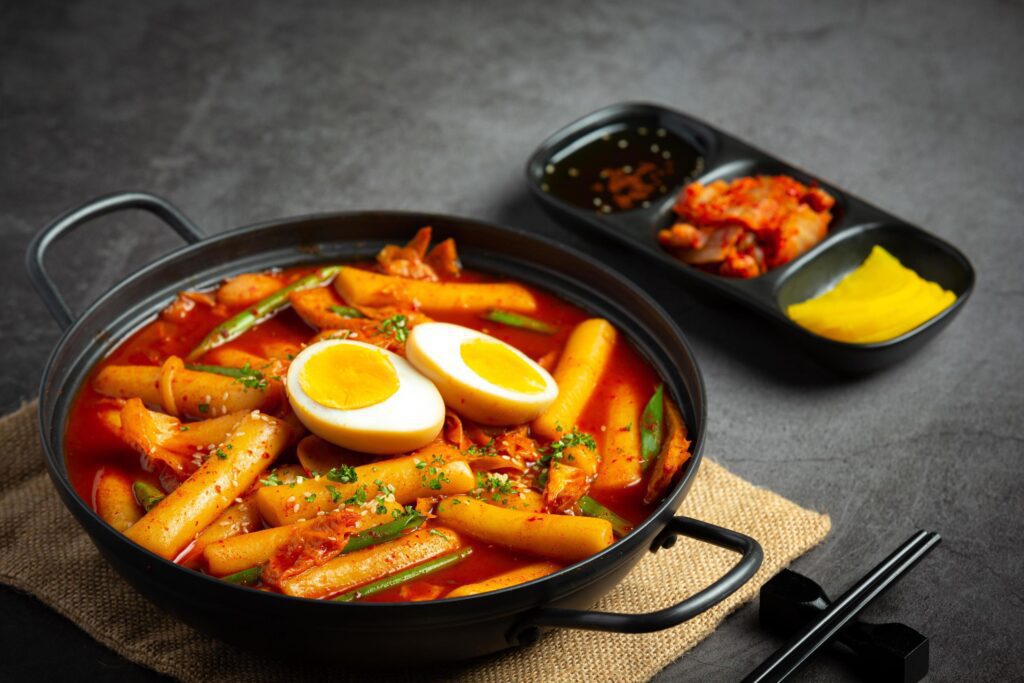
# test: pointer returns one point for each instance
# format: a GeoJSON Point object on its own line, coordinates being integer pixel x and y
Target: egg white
{"type": "Point", "coordinates": [408, 419]}
{"type": "Point", "coordinates": [435, 350]}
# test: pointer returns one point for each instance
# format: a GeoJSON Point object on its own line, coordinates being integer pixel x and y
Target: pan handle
{"type": "Point", "coordinates": [101, 206]}
{"type": "Point", "coordinates": [741, 572]}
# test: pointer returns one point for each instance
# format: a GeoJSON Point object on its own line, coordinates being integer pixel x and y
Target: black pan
{"type": "Point", "coordinates": [426, 631]}
{"type": "Point", "coordinates": [856, 227]}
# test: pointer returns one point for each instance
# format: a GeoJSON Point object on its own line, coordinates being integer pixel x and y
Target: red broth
{"type": "Point", "coordinates": [91, 447]}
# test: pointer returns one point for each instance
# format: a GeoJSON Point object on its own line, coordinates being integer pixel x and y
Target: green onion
{"type": "Point", "coordinates": [652, 426]}
{"type": "Point", "coordinates": [245, 375]}
{"type": "Point", "coordinates": [521, 321]}
{"type": "Point", "coordinates": [364, 539]}
{"type": "Point", "coordinates": [251, 316]}
{"type": "Point", "coordinates": [147, 495]}
{"type": "Point", "coordinates": [591, 508]}
{"type": "Point", "coordinates": [411, 574]}
{"type": "Point", "coordinates": [346, 311]}
{"type": "Point", "coordinates": [383, 532]}
{"type": "Point", "coordinates": [246, 577]}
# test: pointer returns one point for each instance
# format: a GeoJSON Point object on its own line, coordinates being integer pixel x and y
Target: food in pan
{"type": "Point", "coordinates": [400, 430]}
{"type": "Point", "coordinates": [747, 226]}
{"type": "Point", "coordinates": [622, 169]}
{"type": "Point", "coordinates": [879, 300]}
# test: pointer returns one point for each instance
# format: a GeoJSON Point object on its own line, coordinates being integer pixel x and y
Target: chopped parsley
{"type": "Point", "coordinates": [251, 378]}
{"type": "Point", "coordinates": [487, 449]}
{"type": "Point", "coordinates": [183, 428]}
{"type": "Point", "coordinates": [556, 450]}
{"type": "Point", "coordinates": [204, 408]}
{"type": "Point", "coordinates": [272, 480]}
{"type": "Point", "coordinates": [310, 498]}
{"type": "Point", "coordinates": [420, 465]}
{"type": "Point", "coordinates": [221, 454]}
{"type": "Point", "coordinates": [358, 498]}
{"type": "Point", "coordinates": [498, 483]}
{"type": "Point", "coordinates": [382, 509]}
{"type": "Point", "coordinates": [343, 474]}
{"type": "Point", "coordinates": [335, 493]}
{"type": "Point", "coordinates": [436, 483]}
{"type": "Point", "coordinates": [397, 326]}
{"type": "Point", "coordinates": [407, 510]}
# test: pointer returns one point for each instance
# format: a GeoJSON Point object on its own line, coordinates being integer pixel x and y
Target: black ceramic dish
{"type": "Point", "coordinates": [856, 226]}
{"type": "Point", "coordinates": [428, 631]}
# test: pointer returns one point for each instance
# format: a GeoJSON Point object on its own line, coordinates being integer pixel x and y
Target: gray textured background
{"type": "Point", "coordinates": [287, 108]}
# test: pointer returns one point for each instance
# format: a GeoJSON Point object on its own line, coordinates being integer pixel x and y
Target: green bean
{"type": "Point", "coordinates": [261, 310]}
{"type": "Point", "coordinates": [520, 321]}
{"type": "Point", "coordinates": [591, 508]}
{"type": "Point", "coordinates": [411, 574]}
{"type": "Point", "coordinates": [652, 426]}
{"type": "Point", "coordinates": [147, 495]}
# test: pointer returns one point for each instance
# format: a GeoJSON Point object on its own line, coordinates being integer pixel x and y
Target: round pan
{"type": "Point", "coordinates": [396, 633]}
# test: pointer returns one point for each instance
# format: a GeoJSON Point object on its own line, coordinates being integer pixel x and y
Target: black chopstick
{"type": "Point", "coordinates": [808, 640]}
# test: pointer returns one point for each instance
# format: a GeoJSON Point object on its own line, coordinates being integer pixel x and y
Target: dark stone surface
{"type": "Point", "coordinates": [239, 115]}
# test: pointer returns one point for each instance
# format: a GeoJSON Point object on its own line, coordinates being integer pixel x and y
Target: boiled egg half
{"type": "Point", "coordinates": [364, 398]}
{"type": "Point", "coordinates": [479, 376]}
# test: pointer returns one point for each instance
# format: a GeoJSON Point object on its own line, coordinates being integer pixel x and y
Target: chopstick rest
{"type": "Point", "coordinates": [884, 652]}
{"type": "Point", "coordinates": [838, 615]}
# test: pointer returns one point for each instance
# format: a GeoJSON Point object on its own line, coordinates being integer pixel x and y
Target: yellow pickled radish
{"type": "Point", "coordinates": [879, 300]}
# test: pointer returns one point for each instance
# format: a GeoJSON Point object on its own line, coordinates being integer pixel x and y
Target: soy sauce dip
{"type": "Point", "coordinates": [621, 168]}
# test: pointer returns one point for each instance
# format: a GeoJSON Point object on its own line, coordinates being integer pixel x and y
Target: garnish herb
{"type": "Point", "coordinates": [499, 483]}
{"type": "Point", "coordinates": [310, 498]}
{"type": "Point", "coordinates": [272, 480]}
{"type": "Point", "coordinates": [397, 326]}
{"type": "Point", "coordinates": [183, 428]}
{"type": "Point", "coordinates": [204, 408]}
{"type": "Point", "coordinates": [521, 321]}
{"type": "Point", "coordinates": [344, 474]}
{"type": "Point", "coordinates": [652, 426]}
{"type": "Point", "coordinates": [335, 493]}
{"type": "Point", "coordinates": [221, 454]}
{"type": "Point", "coordinates": [556, 449]}
{"type": "Point", "coordinates": [358, 498]}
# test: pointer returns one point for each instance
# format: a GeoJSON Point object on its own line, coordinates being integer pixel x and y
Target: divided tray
{"type": "Point", "coordinates": [856, 226]}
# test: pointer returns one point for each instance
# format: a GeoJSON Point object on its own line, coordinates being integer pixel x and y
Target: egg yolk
{"type": "Point", "coordinates": [348, 377]}
{"type": "Point", "coordinates": [501, 366]}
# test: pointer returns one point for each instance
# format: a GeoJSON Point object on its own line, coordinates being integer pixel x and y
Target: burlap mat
{"type": "Point", "coordinates": [44, 552]}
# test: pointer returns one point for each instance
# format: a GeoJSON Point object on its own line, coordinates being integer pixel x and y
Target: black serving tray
{"type": "Point", "coordinates": [856, 227]}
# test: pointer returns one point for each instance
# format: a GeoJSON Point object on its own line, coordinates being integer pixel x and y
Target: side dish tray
{"type": "Point", "coordinates": [855, 228]}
